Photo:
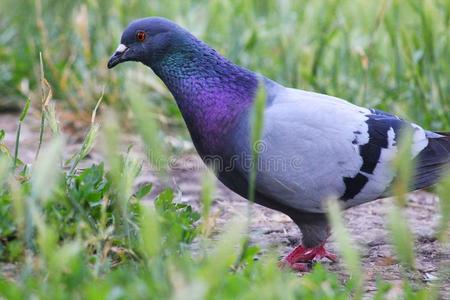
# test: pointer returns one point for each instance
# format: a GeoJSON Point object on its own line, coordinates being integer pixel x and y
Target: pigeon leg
{"type": "Point", "coordinates": [300, 258]}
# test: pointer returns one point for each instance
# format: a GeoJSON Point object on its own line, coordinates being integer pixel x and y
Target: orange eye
{"type": "Point", "coordinates": [140, 36]}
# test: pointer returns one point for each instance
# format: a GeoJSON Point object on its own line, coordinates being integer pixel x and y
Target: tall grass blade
{"type": "Point", "coordinates": [43, 86]}
{"type": "Point", "coordinates": [46, 171]}
{"type": "Point", "coordinates": [19, 127]}
{"type": "Point", "coordinates": [351, 257]}
{"type": "Point", "coordinates": [400, 233]}
{"type": "Point", "coordinates": [257, 124]}
{"type": "Point", "coordinates": [443, 191]}
{"type": "Point", "coordinates": [145, 123]}
{"type": "Point", "coordinates": [150, 233]}
{"type": "Point", "coordinates": [5, 166]}
{"type": "Point", "coordinates": [226, 251]}
{"type": "Point", "coordinates": [88, 142]}
{"type": "Point", "coordinates": [207, 194]}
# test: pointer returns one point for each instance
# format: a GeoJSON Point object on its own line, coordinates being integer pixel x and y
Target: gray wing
{"type": "Point", "coordinates": [316, 147]}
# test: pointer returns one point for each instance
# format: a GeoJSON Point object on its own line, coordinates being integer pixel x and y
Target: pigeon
{"type": "Point", "coordinates": [313, 146]}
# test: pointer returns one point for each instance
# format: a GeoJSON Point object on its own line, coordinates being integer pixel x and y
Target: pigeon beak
{"type": "Point", "coordinates": [117, 57]}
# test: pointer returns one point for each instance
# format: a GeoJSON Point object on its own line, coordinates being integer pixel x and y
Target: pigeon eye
{"type": "Point", "coordinates": [140, 36]}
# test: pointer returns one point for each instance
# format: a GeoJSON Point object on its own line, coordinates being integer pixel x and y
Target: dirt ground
{"type": "Point", "coordinates": [273, 230]}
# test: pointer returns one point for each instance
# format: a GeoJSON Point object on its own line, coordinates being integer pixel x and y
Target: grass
{"type": "Point", "coordinates": [84, 233]}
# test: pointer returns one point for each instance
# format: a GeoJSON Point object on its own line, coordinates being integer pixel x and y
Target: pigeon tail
{"type": "Point", "coordinates": [433, 161]}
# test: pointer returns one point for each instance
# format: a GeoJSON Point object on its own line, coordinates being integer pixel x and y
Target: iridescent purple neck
{"type": "Point", "coordinates": [210, 91]}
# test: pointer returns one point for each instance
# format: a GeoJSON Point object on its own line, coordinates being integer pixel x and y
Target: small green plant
{"type": "Point", "coordinates": [177, 221]}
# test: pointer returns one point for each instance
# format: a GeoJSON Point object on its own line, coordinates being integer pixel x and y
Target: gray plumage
{"type": "Point", "coordinates": [313, 142]}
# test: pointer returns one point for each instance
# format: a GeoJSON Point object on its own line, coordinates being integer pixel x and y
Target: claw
{"type": "Point", "coordinates": [301, 258]}
{"type": "Point", "coordinates": [299, 266]}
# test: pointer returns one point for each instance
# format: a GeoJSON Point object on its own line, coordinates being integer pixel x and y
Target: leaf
{"type": "Point", "coordinates": [143, 191]}
{"type": "Point", "coordinates": [24, 112]}
{"type": "Point", "coordinates": [86, 147]}
{"type": "Point", "coordinates": [177, 219]}
{"type": "Point", "coordinates": [50, 116]}
{"type": "Point", "coordinates": [90, 185]}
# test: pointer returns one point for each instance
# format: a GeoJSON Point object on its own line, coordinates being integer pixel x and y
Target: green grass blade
{"type": "Point", "coordinates": [351, 257]}
{"type": "Point", "coordinates": [402, 238]}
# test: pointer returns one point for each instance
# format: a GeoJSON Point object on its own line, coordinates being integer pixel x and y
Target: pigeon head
{"type": "Point", "coordinates": [210, 90]}
{"type": "Point", "coordinates": [149, 41]}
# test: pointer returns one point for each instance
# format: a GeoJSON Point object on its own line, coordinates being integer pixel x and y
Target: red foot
{"type": "Point", "coordinates": [301, 258]}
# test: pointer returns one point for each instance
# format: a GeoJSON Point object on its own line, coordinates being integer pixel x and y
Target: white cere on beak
{"type": "Point", "coordinates": [121, 48]}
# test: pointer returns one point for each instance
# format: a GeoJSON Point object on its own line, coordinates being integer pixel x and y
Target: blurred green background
{"type": "Point", "coordinates": [393, 55]}
{"type": "Point", "coordinates": [78, 232]}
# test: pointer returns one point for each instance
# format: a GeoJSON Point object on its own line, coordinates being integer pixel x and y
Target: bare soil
{"type": "Point", "coordinates": [271, 230]}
